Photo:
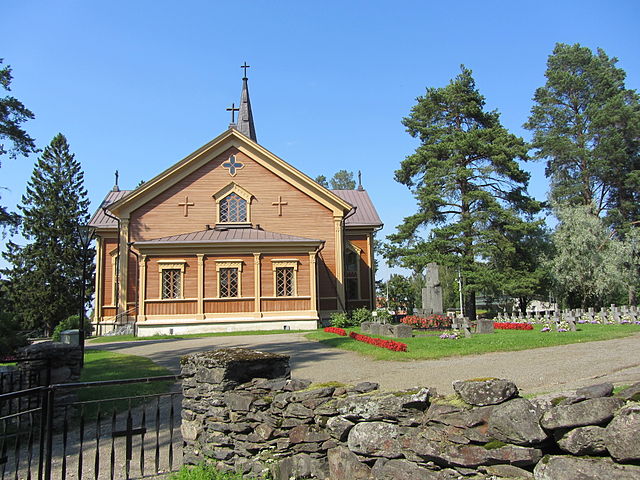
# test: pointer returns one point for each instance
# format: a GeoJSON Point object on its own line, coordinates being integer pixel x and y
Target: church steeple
{"type": "Point", "coordinates": [245, 116]}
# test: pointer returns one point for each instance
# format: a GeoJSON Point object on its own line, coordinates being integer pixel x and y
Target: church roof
{"type": "Point", "coordinates": [227, 235]}
{"type": "Point", "coordinates": [99, 219]}
{"type": "Point", "coordinates": [365, 215]}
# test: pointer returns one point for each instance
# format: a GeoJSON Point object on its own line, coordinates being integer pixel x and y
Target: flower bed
{"type": "Point", "coordinates": [432, 321]}
{"type": "Point", "coordinates": [336, 330]}
{"type": "Point", "coordinates": [379, 342]}
{"type": "Point", "coordinates": [512, 326]}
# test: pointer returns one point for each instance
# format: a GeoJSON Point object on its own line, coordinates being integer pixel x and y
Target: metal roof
{"type": "Point", "coordinates": [99, 219]}
{"type": "Point", "coordinates": [229, 235]}
{"type": "Point", "coordinates": [366, 214]}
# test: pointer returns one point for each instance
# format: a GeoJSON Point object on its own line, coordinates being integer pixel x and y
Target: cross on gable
{"type": "Point", "coordinates": [232, 165]}
{"type": "Point", "coordinates": [279, 204]}
{"type": "Point", "coordinates": [186, 204]}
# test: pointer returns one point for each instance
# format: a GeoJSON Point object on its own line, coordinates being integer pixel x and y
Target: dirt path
{"type": "Point", "coordinates": [534, 371]}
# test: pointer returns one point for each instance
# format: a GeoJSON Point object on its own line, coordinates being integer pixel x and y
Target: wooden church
{"type": "Point", "coordinates": [231, 237]}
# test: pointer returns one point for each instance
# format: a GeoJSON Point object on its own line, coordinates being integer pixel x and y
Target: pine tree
{"type": "Point", "coordinates": [44, 280]}
{"type": "Point", "coordinates": [467, 182]}
{"type": "Point", "coordinates": [586, 124]}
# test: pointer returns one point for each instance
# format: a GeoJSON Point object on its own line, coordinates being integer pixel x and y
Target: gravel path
{"type": "Point", "coordinates": [539, 370]}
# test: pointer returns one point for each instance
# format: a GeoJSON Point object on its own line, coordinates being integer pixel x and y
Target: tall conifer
{"type": "Point", "coordinates": [468, 184]}
{"type": "Point", "coordinates": [45, 277]}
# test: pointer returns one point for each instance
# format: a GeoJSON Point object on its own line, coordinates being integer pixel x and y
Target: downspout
{"type": "Point", "coordinates": [344, 265]}
{"type": "Point", "coordinates": [374, 299]}
{"type": "Point", "coordinates": [117, 285]}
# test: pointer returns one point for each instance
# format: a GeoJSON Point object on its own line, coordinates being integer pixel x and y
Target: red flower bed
{"type": "Point", "coordinates": [379, 342]}
{"type": "Point", "coordinates": [336, 330]}
{"type": "Point", "coordinates": [432, 321]}
{"type": "Point", "coordinates": [512, 326]}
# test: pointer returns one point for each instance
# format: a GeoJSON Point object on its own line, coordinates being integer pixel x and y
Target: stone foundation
{"type": "Point", "coordinates": [242, 411]}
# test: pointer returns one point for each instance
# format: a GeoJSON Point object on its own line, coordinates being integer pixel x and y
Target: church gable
{"type": "Point", "coordinates": [232, 189]}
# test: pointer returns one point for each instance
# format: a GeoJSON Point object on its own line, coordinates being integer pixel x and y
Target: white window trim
{"type": "Point", "coordinates": [229, 264]}
{"type": "Point", "coordinates": [224, 193]}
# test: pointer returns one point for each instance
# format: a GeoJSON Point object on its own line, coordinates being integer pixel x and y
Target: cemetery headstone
{"type": "Point", "coordinates": [432, 292]}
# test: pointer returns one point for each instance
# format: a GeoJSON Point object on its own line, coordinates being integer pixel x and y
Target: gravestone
{"type": "Point", "coordinates": [432, 293]}
{"type": "Point", "coordinates": [484, 326]}
{"type": "Point", "coordinates": [466, 327]}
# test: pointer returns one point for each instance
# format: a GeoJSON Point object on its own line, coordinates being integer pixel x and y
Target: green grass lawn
{"type": "Point", "coordinates": [131, 338]}
{"type": "Point", "coordinates": [100, 365]}
{"type": "Point", "coordinates": [432, 347]}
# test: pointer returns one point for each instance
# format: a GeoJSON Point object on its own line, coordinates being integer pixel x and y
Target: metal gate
{"type": "Point", "coordinates": [55, 432]}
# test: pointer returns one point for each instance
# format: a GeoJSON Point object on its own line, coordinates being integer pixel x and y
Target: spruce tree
{"type": "Point", "coordinates": [468, 184]}
{"type": "Point", "coordinates": [44, 280]}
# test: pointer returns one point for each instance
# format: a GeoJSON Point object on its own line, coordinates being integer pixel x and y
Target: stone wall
{"type": "Point", "coordinates": [242, 411]}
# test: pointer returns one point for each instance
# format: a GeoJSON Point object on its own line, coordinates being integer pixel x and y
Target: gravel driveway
{"type": "Point", "coordinates": [539, 370]}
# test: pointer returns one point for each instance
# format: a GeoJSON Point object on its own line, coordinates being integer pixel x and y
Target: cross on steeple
{"type": "Point", "coordinates": [245, 66]}
{"type": "Point", "coordinates": [233, 111]}
{"type": "Point", "coordinates": [116, 188]}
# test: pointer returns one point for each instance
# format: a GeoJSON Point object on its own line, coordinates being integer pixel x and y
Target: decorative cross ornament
{"type": "Point", "coordinates": [279, 204]}
{"type": "Point", "coordinates": [232, 165]}
{"type": "Point", "coordinates": [233, 111]}
{"type": "Point", "coordinates": [186, 204]}
{"type": "Point", "coordinates": [245, 66]}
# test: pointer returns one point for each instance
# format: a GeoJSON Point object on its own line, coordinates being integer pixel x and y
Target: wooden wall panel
{"type": "Point", "coordinates": [211, 274]}
{"type": "Point", "coordinates": [107, 281]}
{"type": "Point", "coordinates": [285, 304]}
{"type": "Point", "coordinates": [328, 304]}
{"type": "Point", "coordinates": [190, 277]}
{"type": "Point", "coordinates": [108, 311]}
{"type": "Point", "coordinates": [228, 306]}
{"type": "Point", "coordinates": [170, 308]}
{"type": "Point", "coordinates": [303, 279]}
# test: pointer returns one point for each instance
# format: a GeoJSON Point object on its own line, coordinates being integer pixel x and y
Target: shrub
{"type": "Point", "coordinates": [10, 336]}
{"type": "Point", "coordinates": [340, 320]}
{"type": "Point", "coordinates": [383, 315]}
{"type": "Point", "coordinates": [361, 315]}
{"type": "Point", "coordinates": [71, 323]}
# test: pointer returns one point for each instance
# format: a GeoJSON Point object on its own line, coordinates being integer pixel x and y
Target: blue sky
{"type": "Point", "coordinates": [138, 85]}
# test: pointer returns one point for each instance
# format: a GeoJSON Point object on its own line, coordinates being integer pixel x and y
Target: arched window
{"type": "Point", "coordinates": [233, 204]}
{"type": "Point", "coordinates": [233, 208]}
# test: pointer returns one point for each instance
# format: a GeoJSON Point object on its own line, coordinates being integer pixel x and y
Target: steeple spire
{"type": "Point", "coordinates": [245, 116]}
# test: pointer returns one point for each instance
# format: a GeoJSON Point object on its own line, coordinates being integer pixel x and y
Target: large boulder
{"type": "Point", "coordinates": [377, 439]}
{"type": "Point", "coordinates": [623, 435]}
{"type": "Point", "coordinates": [449, 453]}
{"type": "Point", "coordinates": [583, 441]}
{"type": "Point", "coordinates": [594, 411]}
{"type": "Point", "coordinates": [485, 392]}
{"type": "Point", "coordinates": [344, 465]}
{"type": "Point", "coordinates": [516, 421]}
{"type": "Point", "coordinates": [557, 467]}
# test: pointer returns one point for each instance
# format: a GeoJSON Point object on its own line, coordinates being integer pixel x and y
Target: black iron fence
{"type": "Point", "coordinates": [78, 431]}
